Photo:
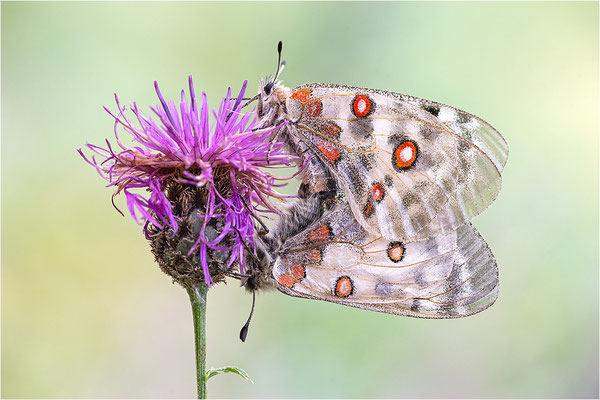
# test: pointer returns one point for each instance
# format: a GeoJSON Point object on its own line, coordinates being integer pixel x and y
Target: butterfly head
{"type": "Point", "coordinates": [271, 100]}
{"type": "Point", "coordinates": [272, 94]}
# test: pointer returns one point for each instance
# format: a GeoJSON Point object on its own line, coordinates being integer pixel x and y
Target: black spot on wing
{"type": "Point", "coordinates": [462, 118]}
{"type": "Point", "coordinates": [367, 160]}
{"type": "Point", "coordinates": [416, 305]}
{"type": "Point", "coordinates": [352, 175]}
{"type": "Point", "coordinates": [463, 146]}
{"type": "Point", "coordinates": [433, 110]}
{"type": "Point", "coordinates": [429, 133]}
{"type": "Point", "coordinates": [397, 139]}
{"type": "Point", "coordinates": [388, 180]}
{"type": "Point", "coordinates": [361, 129]}
{"type": "Point", "coordinates": [421, 278]}
{"type": "Point", "coordinates": [409, 199]}
{"type": "Point", "coordinates": [384, 289]}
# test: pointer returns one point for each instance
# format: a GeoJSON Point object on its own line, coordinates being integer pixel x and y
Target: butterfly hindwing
{"type": "Point", "coordinates": [410, 168]}
{"type": "Point", "coordinates": [335, 259]}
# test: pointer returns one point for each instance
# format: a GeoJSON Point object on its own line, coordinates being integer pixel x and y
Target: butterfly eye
{"type": "Point", "coordinates": [269, 88]}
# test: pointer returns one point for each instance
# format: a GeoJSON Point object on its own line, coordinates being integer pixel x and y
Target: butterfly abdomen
{"type": "Point", "coordinates": [299, 215]}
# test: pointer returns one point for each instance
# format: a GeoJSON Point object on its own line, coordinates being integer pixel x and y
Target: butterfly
{"type": "Point", "coordinates": [382, 217]}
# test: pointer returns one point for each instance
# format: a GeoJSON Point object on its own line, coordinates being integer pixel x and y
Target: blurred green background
{"type": "Point", "coordinates": [87, 313]}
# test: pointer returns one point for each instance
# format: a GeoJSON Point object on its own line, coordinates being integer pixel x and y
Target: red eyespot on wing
{"type": "Point", "coordinates": [361, 106]}
{"type": "Point", "coordinates": [378, 192]}
{"type": "Point", "coordinates": [298, 272]}
{"type": "Point", "coordinates": [330, 129]}
{"type": "Point", "coordinates": [405, 155]}
{"type": "Point", "coordinates": [314, 108]}
{"type": "Point", "coordinates": [395, 251]}
{"type": "Point", "coordinates": [314, 256]}
{"type": "Point", "coordinates": [368, 210]}
{"type": "Point", "coordinates": [343, 287]}
{"type": "Point", "coordinates": [330, 151]}
{"type": "Point", "coordinates": [286, 280]}
{"type": "Point", "coordinates": [301, 95]}
{"type": "Point", "coordinates": [320, 234]}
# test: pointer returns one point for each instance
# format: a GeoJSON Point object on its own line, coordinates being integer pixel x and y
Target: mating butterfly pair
{"type": "Point", "coordinates": [382, 217]}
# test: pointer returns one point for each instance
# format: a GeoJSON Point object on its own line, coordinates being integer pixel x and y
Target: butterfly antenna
{"type": "Point", "coordinates": [280, 65]}
{"type": "Point", "coordinates": [262, 224]}
{"type": "Point", "coordinates": [271, 82]}
{"type": "Point", "coordinates": [244, 330]}
{"type": "Point", "coordinates": [249, 252]}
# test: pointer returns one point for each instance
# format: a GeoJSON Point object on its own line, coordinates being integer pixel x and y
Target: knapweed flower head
{"type": "Point", "coordinates": [196, 185]}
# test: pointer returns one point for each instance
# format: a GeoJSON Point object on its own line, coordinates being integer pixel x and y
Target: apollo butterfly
{"type": "Point", "coordinates": [382, 218]}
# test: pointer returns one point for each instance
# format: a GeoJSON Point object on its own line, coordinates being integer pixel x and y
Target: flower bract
{"type": "Point", "coordinates": [197, 183]}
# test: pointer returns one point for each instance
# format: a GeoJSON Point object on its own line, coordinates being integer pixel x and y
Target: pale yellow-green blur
{"type": "Point", "coordinates": [87, 313]}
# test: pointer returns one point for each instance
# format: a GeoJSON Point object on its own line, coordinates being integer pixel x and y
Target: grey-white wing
{"type": "Point", "coordinates": [451, 275]}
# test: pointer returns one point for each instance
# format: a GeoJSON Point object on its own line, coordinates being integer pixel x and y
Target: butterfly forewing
{"type": "Point", "coordinates": [335, 259]}
{"type": "Point", "coordinates": [411, 168]}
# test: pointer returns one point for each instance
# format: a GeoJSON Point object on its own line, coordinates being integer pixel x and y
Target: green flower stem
{"type": "Point", "coordinates": [197, 295]}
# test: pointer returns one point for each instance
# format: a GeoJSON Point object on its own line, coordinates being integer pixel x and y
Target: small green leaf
{"type": "Point", "coordinates": [214, 371]}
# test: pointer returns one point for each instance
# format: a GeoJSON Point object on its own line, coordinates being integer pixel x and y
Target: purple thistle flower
{"type": "Point", "coordinates": [201, 180]}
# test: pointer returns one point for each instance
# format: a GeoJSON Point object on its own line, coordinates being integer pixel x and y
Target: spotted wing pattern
{"type": "Point", "coordinates": [410, 168]}
{"type": "Point", "coordinates": [334, 259]}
